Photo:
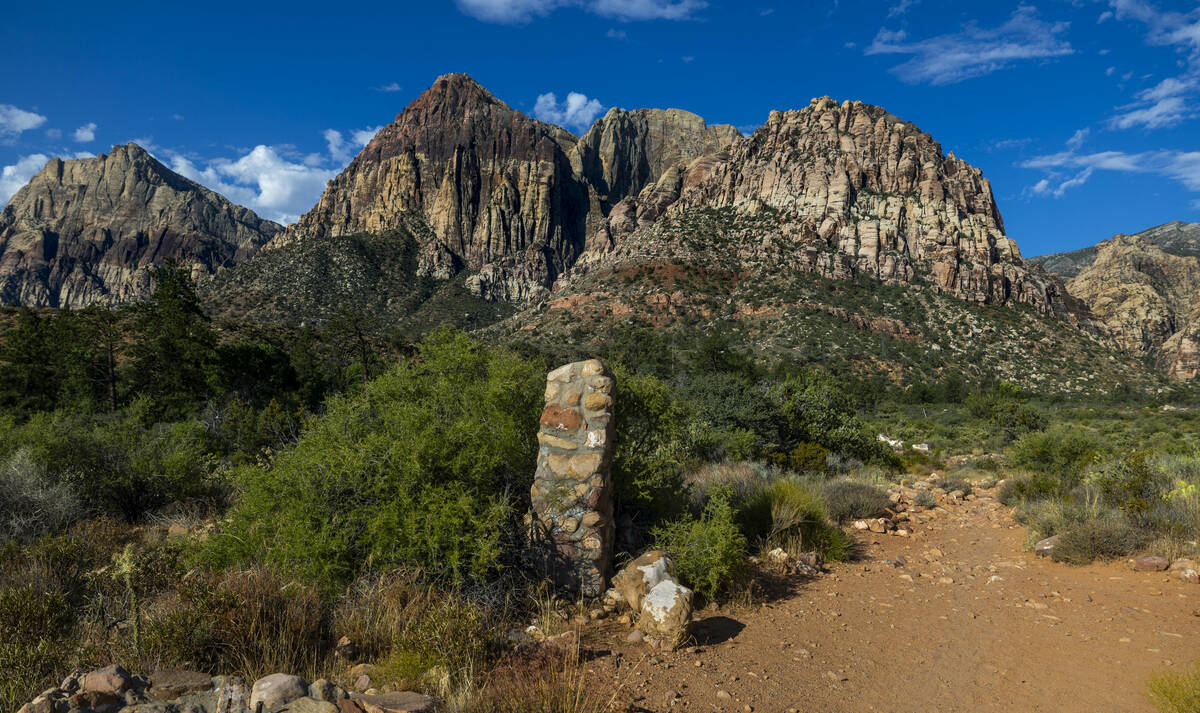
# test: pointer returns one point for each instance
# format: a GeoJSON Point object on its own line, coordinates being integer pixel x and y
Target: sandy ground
{"type": "Point", "coordinates": [968, 622]}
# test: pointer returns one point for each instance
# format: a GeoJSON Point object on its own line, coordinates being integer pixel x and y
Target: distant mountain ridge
{"type": "Point", "coordinates": [91, 230]}
{"type": "Point", "coordinates": [1146, 289]}
{"type": "Point", "coordinates": [1175, 238]}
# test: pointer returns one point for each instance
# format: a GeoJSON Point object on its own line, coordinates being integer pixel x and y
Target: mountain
{"type": "Point", "coordinates": [90, 230]}
{"type": "Point", "coordinates": [1145, 288]}
{"type": "Point", "coordinates": [836, 233]}
{"type": "Point", "coordinates": [505, 197]}
{"type": "Point", "coordinates": [1175, 238]}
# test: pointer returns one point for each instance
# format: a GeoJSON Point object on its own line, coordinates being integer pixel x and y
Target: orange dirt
{"type": "Point", "coordinates": [981, 626]}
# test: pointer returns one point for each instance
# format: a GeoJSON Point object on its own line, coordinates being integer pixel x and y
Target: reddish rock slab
{"type": "Point", "coordinates": [1151, 564]}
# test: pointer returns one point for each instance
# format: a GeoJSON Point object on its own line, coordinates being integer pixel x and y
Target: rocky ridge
{"type": "Point", "coordinates": [1148, 298]}
{"type": "Point", "coordinates": [91, 230]}
{"type": "Point", "coordinates": [518, 203]}
{"type": "Point", "coordinates": [1175, 238]}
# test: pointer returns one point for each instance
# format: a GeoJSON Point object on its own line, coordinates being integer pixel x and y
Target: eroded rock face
{"type": "Point", "coordinates": [1149, 300]}
{"type": "Point", "coordinates": [90, 230]}
{"type": "Point", "coordinates": [490, 182]}
{"type": "Point", "coordinates": [868, 194]}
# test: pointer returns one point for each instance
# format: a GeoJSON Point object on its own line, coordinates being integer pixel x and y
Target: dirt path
{"type": "Point", "coordinates": [969, 623]}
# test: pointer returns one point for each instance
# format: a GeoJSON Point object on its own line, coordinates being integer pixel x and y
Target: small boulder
{"type": "Point", "coordinates": [1189, 575]}
{"type": "Point", "coordinates": [325, 690]}
{"type": "Point", "coordinates": [346, 649]}
{"type": "Point", "coordinates": [1043, 548]}
{"type": "Point", "coordinates": [1151, 563]}
{"type": "Point", "coordinates": [110, 679]}
{"type": "Point", "coordinates": [637, 578]}
{"type": "Point", "coordinates": [309, 705]}
{"type": "Point", "coordinates": [166, 685]}
{"type": "Point", "coordinates": [399, 702]}
{"type": "Point", "coordinates": [277, 689]}
{"type": "Point", "coordinates": [667, 612]}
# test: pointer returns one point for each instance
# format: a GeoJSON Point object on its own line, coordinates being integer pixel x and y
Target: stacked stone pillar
{"type": "Point", "coordinates": [572, 489]}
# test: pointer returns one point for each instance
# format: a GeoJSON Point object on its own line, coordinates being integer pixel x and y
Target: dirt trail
{"type": "Point", "coordinates": [969, 623]}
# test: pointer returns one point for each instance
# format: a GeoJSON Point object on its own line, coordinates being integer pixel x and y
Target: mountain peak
{"type": "Point", "coordinates": [92, 229]}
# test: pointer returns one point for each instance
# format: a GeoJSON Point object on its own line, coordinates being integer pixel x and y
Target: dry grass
{"type": "Point", "coordinates": [1177, 692]}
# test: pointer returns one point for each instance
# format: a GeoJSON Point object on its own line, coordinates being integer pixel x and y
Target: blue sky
{"type": "Point", "coordinates": [1085, 114]}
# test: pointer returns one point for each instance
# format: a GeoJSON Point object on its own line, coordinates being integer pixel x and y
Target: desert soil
{"type": "Point", "coordinates": [957, 617]}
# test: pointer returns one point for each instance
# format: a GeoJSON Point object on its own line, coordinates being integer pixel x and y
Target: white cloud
{"type": "Point", "coordinates": [1182, 166]}
{"type": "Point", "coordinates": [393, 87]}
{"type": "Point", "coordinates": [576, 112]}
{"type": "Point", "coordinates": [54, 134]}
{"type": "Point", "coordinates": [901, 8]}
{"type": "Point", "coordinates": [1045, 188]}
{"type": "Point", "coordinates": [1106, 15]}
{"type": "Point", "coordinates": [1172, 100]}
{"type": "Point", "coordinates": [85, 133]}
{"type": "Point", "coordinates": [341, 150]}
{"type": "Point", "coordinates": [274, 181]}
{"type": "Point", "coordinates": [975, 51]}
{"type": "Point", "coordinates": [512, 12]}
{"type": "Point", "coordinates": [13, 121]}
{"type": "Point", "coordinates": [362, 137]}
{"type": "Point", "coordinates": [13, 177]}
{"type": "Point", "coordinates": [646, 9]}
{"type": "Point", "coordinates": [261, 180]}
{"type": "Point", "coordinates": [615, 34]}
{"type": "Point", "coordinates": [688, 59]}
{"type": "Point", "coordinates": [1078, 138]}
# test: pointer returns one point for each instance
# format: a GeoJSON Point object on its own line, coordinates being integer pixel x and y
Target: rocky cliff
{"type": "Point", "coordinates": [90, 230]}
{"type": "Point", "coordinates": [504, 196]}
{"type": "Point", "coordinates": [1175, 238]}
{"type": "Point", "coordinates": [850, 189]}
{"type": "Point", "coordinates": [1148, 298]}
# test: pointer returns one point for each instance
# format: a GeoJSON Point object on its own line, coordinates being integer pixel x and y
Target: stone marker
{"type": "Point", "coordinates": [572, 489]}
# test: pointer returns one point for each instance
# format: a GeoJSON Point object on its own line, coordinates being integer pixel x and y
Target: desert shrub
{"type": "Point", "coordinates": [450, 634]}
{"type": "Point", "coordinates": [1176, 692]}
{"type": "Point", "coordinates": [1024, 488]}
{"type": "Point", "coordinates": [1131, 484]}
{"type": "Point", "coordinates": [126, 464]}
{"type": "Point", "coordinates": [31, 504]}
{"type": "Point", "coordinates": [851, 499]}
{"type": "Point", "coordinates": [251, 622]}
{"type": "Point", "coordinates": [710, 550]}
{"type": "Point", "coordinates": [536, 681]}
{"type": "Point", "coordinates": [651, 452]}
{"type": "Point", "coordinates": [800, 521]}
{"type": "Point", "coordinates": [925, 499]}
{"type": "Point", "coordinates": [951, 484]}
{"type": "Point", "coordinates": [1060, 451]}
{"type": "Point", "coordinates": [804, 458]}
{"type": "Point", "coordinates": [815, 409]}
{"type": "Point", "coordinates": [1097, 539]}
{"type": "Point", "coordinates": [427, 467]}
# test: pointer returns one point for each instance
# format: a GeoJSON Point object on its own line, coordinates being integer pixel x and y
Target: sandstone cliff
{"type": "Point", "coordinates": [845, 191]}
{"type": "Point", "coordinates": [1148, 298]}
{"type": "Point", "coordinates": [90, 230]}
{"type": "Point", "coordinates": [851, 191]}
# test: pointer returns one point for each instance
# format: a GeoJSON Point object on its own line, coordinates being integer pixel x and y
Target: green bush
{"type": "Point", "coordinates": [1061, 451]}
{"type": "Point", "coordinates": [427, 467]}
{"type": "Point", "coordinates": [1097, 539]}
{"type": "Point", "coordinates": [852, 499]}
{"type": "Point", "coordinates": [1025, 488]}
{"type": "Point", "coordinates": [710, 550]}
{"type": "Point", "coordinates": [952, 484]}
{"type": "Point", "coordinates": [1131, 484]}
{"type": "Point", "coordinates": [31, 504]}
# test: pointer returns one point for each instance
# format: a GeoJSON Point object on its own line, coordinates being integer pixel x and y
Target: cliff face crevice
{"type": "Point", "coordinates": [91, 230]}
